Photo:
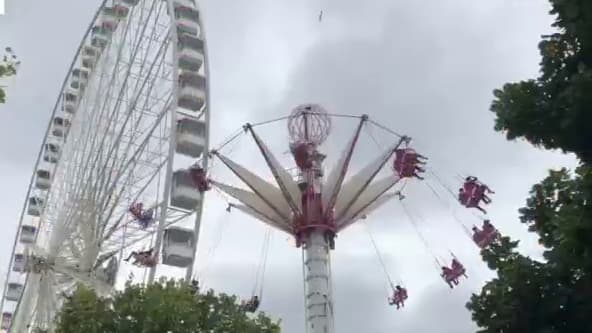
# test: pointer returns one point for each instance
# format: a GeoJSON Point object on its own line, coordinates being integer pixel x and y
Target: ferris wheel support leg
{"type": "Point", "coordinates": [205, 157]}
{"type": "Point", "coordinates": [317, 281]}
{"type": "Point", "coordinates": [171, 156]}
{"type": "Point", "coordinates": [197, 226]}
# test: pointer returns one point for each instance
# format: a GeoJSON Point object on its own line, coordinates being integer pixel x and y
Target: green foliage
{"type": "Point", "coordinates": [167, 306]}
{"type": "Point", "coordinates": [8, 68]}
{"type": "Point", "coordinates": [555, 110]}
{"type": "Point", "coordinates": [554, 296]}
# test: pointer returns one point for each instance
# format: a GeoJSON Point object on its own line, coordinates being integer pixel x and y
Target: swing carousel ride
{"type": "Point", "coordinates": [313, 207]}
{"type": "Point", "coordinates": [126, 161]}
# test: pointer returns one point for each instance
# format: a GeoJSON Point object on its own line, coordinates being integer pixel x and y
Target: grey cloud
{"type": "Point", "coordinates": [425, 68]}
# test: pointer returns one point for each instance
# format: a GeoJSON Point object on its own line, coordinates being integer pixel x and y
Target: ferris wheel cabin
{"type": "Point", "coordinates": [191, 137]}
{"type": "Point", "coordinates": [43, 179]}
{"type": "Point", "coordinates": [184, 193]}
{"type": "Point", "coordinates": [18, 264]}
{"type": "Point", "coordinates": [51, 153]}
{"type": "Point", "coordinates": [114, 14]}
{"type": "Point", "coordinates": [35, 206]}
{"type": "Point", "coordinates": [60, 126]}
{"type": "Point", "coordinates": [13, 291]}
{"type": "Point", "coordinates": [192, 91]}
{"type": "Point", "coordinates": [90, 56]}
{"type": "Point", "coordinates": [100, 37]}
{"type": "Point", "coordinates": [79, 78]}
{"type": "Point", "coordinates": [184, 3]}
{"type": "Point", "coordinates": [28, 233]}
{"type": "Point", "coordinates": [129, 3]}
{"type": "Point", "coordinates": [108, 274]}
{"type": "Point", "coordinates": [177, 247]}
{"type": "Point", "coordinates": [191, 52]}
{"type": "Point", "coordinates": [187, 19]}
{"type": "Point", "coordinates": [70, 101]}
{"type": "Point", "coordinates": [6, 318]}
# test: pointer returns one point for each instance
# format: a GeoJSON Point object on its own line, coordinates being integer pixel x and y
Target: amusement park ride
{"type": "Point", "coordinates": [117, 169]}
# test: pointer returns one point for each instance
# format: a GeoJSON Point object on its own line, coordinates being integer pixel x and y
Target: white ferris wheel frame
{"type": "Point", "coordinates": [167, 214]}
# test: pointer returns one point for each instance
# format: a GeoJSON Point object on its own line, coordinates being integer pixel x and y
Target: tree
{"type": "Point", "coordinates": [555, 110]}
{"type": "Point", "coordinates": [554, 296]}
{"type": "Point", "coordinates": [8, 67]}
{"type": "Point", "coordinates": [167, 306]}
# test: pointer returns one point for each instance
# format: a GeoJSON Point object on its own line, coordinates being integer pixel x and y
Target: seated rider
{"type": "Point", "coordinates": [463, 198]}
{"type": "Point", "coordinates": [481, 193]}
{"type": "Point", "coordinates": [143, 217]}
{"type": "Point", "coordinates": [136, 209]}
{"type": "Point", "coordinates": [488, 228]}
{"type": "Point", "coordinates": [469, 198]}
{"type": "Point", "coordinates": [489, 231]}
{"type": "Point", "coordinates": [194, 286]}
{"type": "Point", "coordinates": [146, 218]}
{"type": "Point", "coordinates": [253, 304]}
{"type": "Point", "coordinates": [407, 163]}
{"type": "Point", "coordinates": [477, 236]}
{"type": "Point", "coordinates": [399, 297]}
{"type": "Point", "coordinates": [457, 268]}
{"type": "Point", "coordinates": [449, 277]}
{"type": "Point", "coordinates": [142, 258]}
{"type": "Point", "coordinates": [198, 175]}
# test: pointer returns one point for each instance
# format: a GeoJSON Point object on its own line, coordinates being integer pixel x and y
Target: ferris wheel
{"type": "Point", "coordinates": [111, 177]}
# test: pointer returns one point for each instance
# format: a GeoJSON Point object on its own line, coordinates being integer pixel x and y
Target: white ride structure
{"type": "Point", "coordinates": [132, 110]}
{"type": "Point", "coordinates": [311, 207]}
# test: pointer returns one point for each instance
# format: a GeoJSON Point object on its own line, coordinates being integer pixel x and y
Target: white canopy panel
{"type": "Point", "coordinates": [285, 181]}
{"type": "Point", "coordinates": [337, 175]}
{"type": "Point", "coordinates": [249, 211]}
{"type": "Point", "coordinates": [342, 224]}
{"type": "Point", "coordinates": [267, 192]}
{"type": "Point", "coordinates": [253, 201]}
{"type": "Point", "coordinates": [351, 190]}
{"type": "Point", "coordinates": [370, 194]}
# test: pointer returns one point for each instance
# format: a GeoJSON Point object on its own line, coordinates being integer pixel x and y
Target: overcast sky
{"type": "Point", "coordinates": [424, 68]}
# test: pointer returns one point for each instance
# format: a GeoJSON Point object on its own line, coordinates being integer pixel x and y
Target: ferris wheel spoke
{"type": "Point", "coordinates": [111, 149]}
{"type": "Point", "coordinates": [135, 196]}
{"type": "Point", "coordinates": [25, 307]}
{"type": "Point", "coordinates": [131, 166]}
{"type": "Point", "coordinates": [95, 191]}
{"type": "Point", "coordinates": [122, 163]}
{"type": "Point", "coordinates": [113, 115]}
{"type": "Point", "coordinates": [133, 238]}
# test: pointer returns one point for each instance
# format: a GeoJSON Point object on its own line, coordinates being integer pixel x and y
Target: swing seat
{"type": "Point", "coordinates": [136, 210]}
{"type": "Point", "coordinates": [472, 194]}
{"type": "Point", "coordinates": [251, 305]}
{"type": "Point", "coordinates": [399, 296]}
{"type": "Point", "coordinates": [487, 237]}
{"type": "Point", "coordinates": [148, 261]}
{"type": "Point", "coordinates": [458, 271]}
{"type": "Point", "coordinates": [478, 237]}
{"type": "Point", "coordinates": [449, 276]}
{"type": "Point", "coordinates": [406, 161]}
